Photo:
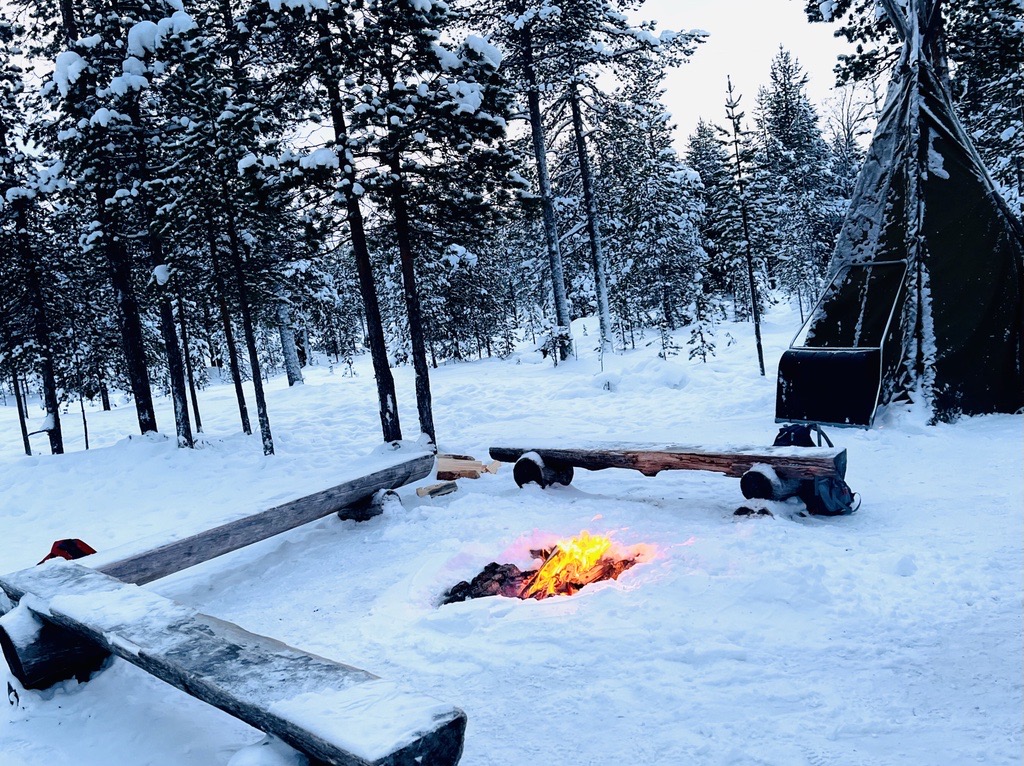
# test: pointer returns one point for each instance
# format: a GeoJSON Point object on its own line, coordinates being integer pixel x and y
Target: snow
{"type": "Point", "coordinates": [397, 716]}
{"type": "Point", "coordinates": [68, 67]}
{"type": "Point", "coordinates": [886, 637]}
{"type": "Point", "coordinates": [148, 36]}
{"type": "Point", "coordinates": [447, 59]}
{"type": "Point", "coordinates": [936, 164]}
{"type": "Point", "coordinates": [487, 51]}
{"type": "Point", "coordinates": [246, 162]}
{"type": "Point", "coordinates": [324, 157]}
{"type": "Point", "coordinates": [270, 751]}
{"type": "Point", "coordinates": [468, 96]}
{"type": "Point", "coordinates": [143, 38]}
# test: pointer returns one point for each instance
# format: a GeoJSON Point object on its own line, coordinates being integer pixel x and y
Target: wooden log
{"type": "Point", "coordinates": [451, 467]}
{"type": "Point", "coordinates": [161, 560]}
{"type": "Point", "coordinates": [437, 490]}
{"type": "Point", "coordinates": [41, 655]}
{"type": "Point", "coordinates": [368, 507]}
{"type": "Point", "coordinates": [531, 468]}
{"type": "Point", "coordinates": [762, 482]}
{"type": "Point", "coordinates": [333, 713]}
{"type": "Point", "coordinates": [788, 462]}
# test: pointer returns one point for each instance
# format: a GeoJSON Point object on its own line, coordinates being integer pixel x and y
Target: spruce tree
{"type": "Point", "coordinates": [741, 169]}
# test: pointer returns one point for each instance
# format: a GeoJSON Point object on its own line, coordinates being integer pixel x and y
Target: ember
{"type": "Point", "coordinates": [566, 568]}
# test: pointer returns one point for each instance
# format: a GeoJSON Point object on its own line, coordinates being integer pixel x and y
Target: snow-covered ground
{"type": "Point", "coordinates": [893, 636]}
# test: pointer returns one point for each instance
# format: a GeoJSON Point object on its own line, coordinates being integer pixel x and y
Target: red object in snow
{"type": "Point", "coordinates": [68, 549]}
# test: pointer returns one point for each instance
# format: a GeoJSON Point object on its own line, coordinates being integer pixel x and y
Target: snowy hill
{"type": "Point", "coordinates": [892, 636]}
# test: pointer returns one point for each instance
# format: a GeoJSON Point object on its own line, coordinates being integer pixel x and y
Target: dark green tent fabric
{"type": "Point", "coordinates": [928, 274]}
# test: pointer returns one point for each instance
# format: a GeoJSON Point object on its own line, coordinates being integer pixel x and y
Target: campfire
{"type": "Point", "coordinates": [565, 568]}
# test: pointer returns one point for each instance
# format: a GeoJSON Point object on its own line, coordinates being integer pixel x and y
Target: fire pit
{"type": "Point", "coordinates": [565, 568]}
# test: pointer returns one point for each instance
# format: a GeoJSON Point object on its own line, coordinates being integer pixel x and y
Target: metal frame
{"type": "Point", "coordinates": [851, 349]}
{"type": "Point", "coordinates": [821, 298]}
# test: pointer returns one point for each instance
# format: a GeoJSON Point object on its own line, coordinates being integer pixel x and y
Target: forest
{"type": "Point", "coordinates": [206, 191]}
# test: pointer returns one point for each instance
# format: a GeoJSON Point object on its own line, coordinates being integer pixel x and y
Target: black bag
{"type": "Point", "coordinates": [799, 435]}
{"type": "Point", "coordinates": [823, 495]}
{"type": "Point", "coordinates": [828, 496]}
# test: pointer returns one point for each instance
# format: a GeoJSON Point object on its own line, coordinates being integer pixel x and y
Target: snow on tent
{"type": "Point", "coordinates": [926, 279]}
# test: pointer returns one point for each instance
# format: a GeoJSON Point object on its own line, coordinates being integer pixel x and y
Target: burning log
{"type": "Point", "coordinates": [567, 568]}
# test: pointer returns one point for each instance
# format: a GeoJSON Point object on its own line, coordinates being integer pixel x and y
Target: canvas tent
{"type": "Point", "coordinates": [925, 295]}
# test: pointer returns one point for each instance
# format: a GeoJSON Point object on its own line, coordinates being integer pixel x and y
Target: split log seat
{"type": "Point", "coordinates": [334, 713]}
{"type": "Point", "coordinates": [148, 560]}
{"type": "Point", "coordinates": [772, 473]}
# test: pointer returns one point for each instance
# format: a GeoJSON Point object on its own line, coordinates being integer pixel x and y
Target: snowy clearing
{"type": "Point", "coordinates": [892, 636]}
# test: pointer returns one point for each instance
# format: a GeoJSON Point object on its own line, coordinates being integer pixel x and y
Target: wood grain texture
{"type": "Point", "coordinates": [44, 655]}
{"type": "Point", "coordinates": [332, 712]}
{"type": "Point", "coordinates": [149, 565]}
{"type": "Point", "coordinates": [650, 460]}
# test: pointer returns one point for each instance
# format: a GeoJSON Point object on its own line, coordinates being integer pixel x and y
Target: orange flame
{"type": "Point", "coordinates": [570, 566]}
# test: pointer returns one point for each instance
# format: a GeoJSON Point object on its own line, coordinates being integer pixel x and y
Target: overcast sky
{"type": "Point", "coordinates": [744, 37]}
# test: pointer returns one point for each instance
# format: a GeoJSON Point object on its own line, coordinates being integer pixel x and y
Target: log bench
{"type": "Point", "coordinates": [770, 473]}
{"type": "Point", "coordinates": [146, 561]}
{"type": "Point", "coordinates": [70, 617]}
{"type": "Point", "coordinates": [334, 713]}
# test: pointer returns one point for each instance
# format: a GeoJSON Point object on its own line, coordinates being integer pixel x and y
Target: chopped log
{"type": "Point", "coordinates": [762, 482]}
{"type": "Point", "coordinates": [437, 490]}
{"type": "Point", "coordinates": [788, 462]}
{"type": "Point", "coordinates": [450, 467]}
{"type": "Point", "coordinates": [333, 713]}
{"type": "Point", "coordinates": [41, 655]}
{"type": "Point", "coordinates": [531, 468]}
{"type": "Point", "coordinates": [159, 561]}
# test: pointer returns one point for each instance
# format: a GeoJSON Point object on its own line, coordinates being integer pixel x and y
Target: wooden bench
{"type": "Point", "coordinates": [145, 561]}
{"type": "Point", "coordinates": [334, 713]}
{"type": "Point", "coordinates": [773, 473]}
{"type": "Point", "coordinates": [71, 617]}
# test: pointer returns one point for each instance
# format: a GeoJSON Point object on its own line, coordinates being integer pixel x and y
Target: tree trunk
{"type": "Point", "coordinates": [41, 329]}
{"type": "Point", "coordinates": [176, 372]}
{"type": "Point", "coordinates": [597, 254]}
{"type": "Point", "coordinates": [420, 365]}
{"type": "Point", "coordinates": [235, 251]}
{"type": "Point", "coordinates": [85, 423]}
{"type": "Point", "coordinates": [546, 196]}
{"type": "Point", "coordinates": [21, 414]}
{"type": "Point", "coordinates": [390, 425]}
{"type": "Point", "coordinates": [288, 346]}
{"type": "Point", "coordinates": [129, 321]}
{"type": "Point", "coordinates": [104, 396]}
{"type": "Point", "coordinates": [188, 361]}
{"type": "Point", "coordinates": [175, 365]}
{"type": "Point", "coordinates": [229, 335]}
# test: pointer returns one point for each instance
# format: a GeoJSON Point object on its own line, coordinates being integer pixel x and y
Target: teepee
{"type": "Point", "coordinates": [925, 296]}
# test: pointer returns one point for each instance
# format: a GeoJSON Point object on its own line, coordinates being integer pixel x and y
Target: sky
{"type": "Point", "coordinates": [744, 37]}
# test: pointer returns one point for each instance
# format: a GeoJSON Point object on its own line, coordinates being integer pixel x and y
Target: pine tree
{"type": "Point", "coordinates": [741, 168]}
{"type": "Point", "coordinates": [435, 121]}
{"type": "Point", "coordinates": [19, 198]}
{"type": "Point", "coordinates": [657, 261]}
{"type": "Point", "coordinates": [795, 162]}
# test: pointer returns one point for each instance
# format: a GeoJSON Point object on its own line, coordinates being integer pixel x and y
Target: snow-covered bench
{"type": "Point", "coordinates": [334, 713]}
{"type": "Point", "coordinates": [148, 560]}
{"type": "Point", "coordinates": [773, 473]}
